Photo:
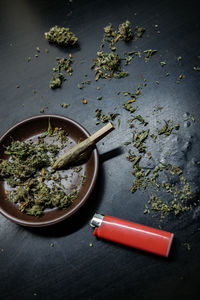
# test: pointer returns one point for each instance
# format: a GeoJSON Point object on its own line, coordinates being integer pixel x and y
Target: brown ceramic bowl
{"type": "Point", "coordinates": [27, 129]}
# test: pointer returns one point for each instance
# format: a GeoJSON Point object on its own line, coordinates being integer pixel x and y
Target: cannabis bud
{"type": "Point", "coordinates": [61, 36]}
{"type": "Point", "coordinates": [55, 82]}
{"type": "Point", "coordinates": [107, 65]}
{"type": "Point", "coordinates": [125, 31]}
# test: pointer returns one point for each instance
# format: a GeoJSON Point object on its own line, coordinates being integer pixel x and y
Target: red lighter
{"type": "Point", "coordinates": [132, 234]}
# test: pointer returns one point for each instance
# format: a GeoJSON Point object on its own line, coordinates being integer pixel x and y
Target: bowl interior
{"type": "Point", "coordinates": [28, 129]}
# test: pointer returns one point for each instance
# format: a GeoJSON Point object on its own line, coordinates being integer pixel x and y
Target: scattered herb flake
{"type": "Point", "coordinates": [162, 63]}
{"type": "Point", "coordinates": [139, 140]}
{"type": "Point", "coordinates": [127, 106]}
{"type": "Point", "coordinates": [153, 136]}
{"type": "Point", "coordinates": [82, 84]}
{"type": "Point", "coordinates": [192, 118]}
{"type": "Point", "coordinates": [197, 68]}
{"type": "Point", "coordinates": [84, 101]}
{"type": "Point", "coordinates": [62, 68]}
{"type": "Point", "coordinates": [188, 246]}
{"type": "Point", "coordinates": [141, 120]}
{"type": "Point", "coordinates": [65, 105]}
{"type": "Point", "coordinates": [104, 118]}
{"type": "Point", "coordinates": [140, 31]}
{"type": "Point", "coordinates": [176, 126]}
{"type": "Point", "coordinates": [166, 129]}
{"type": "Point", "coordinates": [149, 53]}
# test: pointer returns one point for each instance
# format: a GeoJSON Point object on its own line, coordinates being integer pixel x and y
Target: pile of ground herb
{"type": "Point", "coordinates": [112, 36]}
{"type": "Point", "coordinates": [107, 65]}
{"type": "Point", "coordinates": [32, 185]}
{"type": "Point", "coordinates": [62, 69]}
{"type": "Point", "coordinates": [124, 33]}
{"type": "Point", "coordinates": [157, 178]}
{"type": "Point", "coordinates": [180, 194]}
{"type": "Point", "coordinates": [61, 36]}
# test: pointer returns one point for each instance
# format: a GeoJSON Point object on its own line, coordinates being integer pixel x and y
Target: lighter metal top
{"type": "Point", "coordinates": [96, 220]}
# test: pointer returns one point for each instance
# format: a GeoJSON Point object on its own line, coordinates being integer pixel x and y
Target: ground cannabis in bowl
{"type": "Point", "coordinates": [30, 182]}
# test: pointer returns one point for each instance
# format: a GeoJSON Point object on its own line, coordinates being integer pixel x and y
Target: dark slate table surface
{"type": "Point", "coordinates": [30, 266]}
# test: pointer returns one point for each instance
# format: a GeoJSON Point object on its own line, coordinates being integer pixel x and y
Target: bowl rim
{"type": "Point", "coordinates": [87, 194]}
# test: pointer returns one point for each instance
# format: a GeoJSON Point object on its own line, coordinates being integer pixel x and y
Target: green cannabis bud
{"type": "Point", "coordinates": [61, 36]}
{"type": "Point", "coordinates": [107, 65]}
{"type": "Point", "coordinates": [56, 81]}
{"type": "Point", "coordinates": [109, 31]}
{"type": "Point", "coordinates": [125, 31]}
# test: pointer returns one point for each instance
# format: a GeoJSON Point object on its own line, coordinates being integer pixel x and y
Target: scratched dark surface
{"type": "Point", "coordinates": [57, 262]}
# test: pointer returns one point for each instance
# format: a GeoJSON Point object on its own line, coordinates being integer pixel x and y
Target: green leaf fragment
{"type": "Point", "coordinates": [50, 129]}
{"type": "Point", "coordinates": [166, 129]}
{"type": "Point", "coordinates": [141, 120]}
{"type": "Point", "coordinates": [127, 106]}
{"type": "Point", "coordinates": [197, 68]}
{"type": "Point", "coordinates": [162, 63]}
{"type": "Point", "coordinates": [149, 53]}
{"type": "Point", "coordinates": [65, 105]}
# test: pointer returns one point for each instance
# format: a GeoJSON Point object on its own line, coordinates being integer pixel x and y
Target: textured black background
{"type": "Point", "coordinates": [29, 267]}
